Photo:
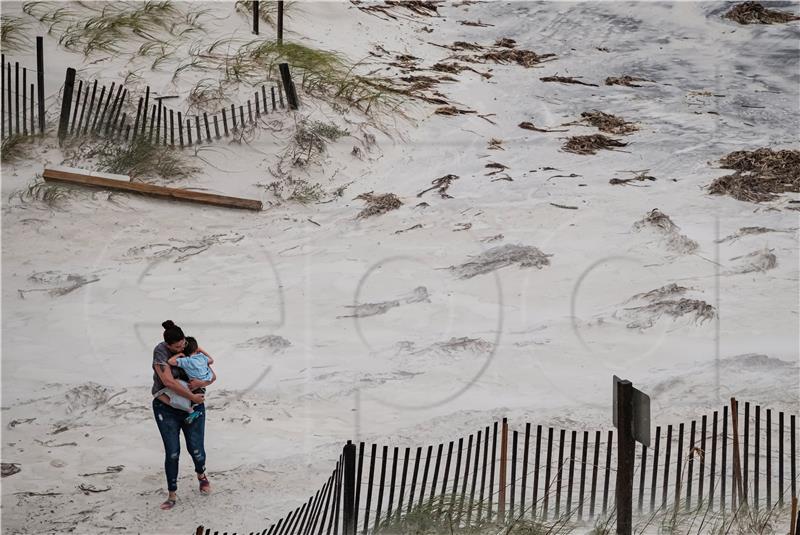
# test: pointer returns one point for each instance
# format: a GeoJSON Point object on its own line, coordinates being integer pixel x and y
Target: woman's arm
{"type": "Point", "coordinates": [165, 375]}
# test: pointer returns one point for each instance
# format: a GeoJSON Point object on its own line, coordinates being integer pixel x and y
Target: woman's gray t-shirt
{"type": "Point", "coordinates": [161, 354]}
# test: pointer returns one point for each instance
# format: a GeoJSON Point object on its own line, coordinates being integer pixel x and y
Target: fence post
{"type": "Point", "coordinates": [793, 521]}
{"type": "Point", "coordinates": [280, 22]}
{"type": "Point", "coordinates": [625, 457]}
{"type": "Point", "coordinates": [736, 488]}
{"type": "Point", "coordinates": [255, 17]}
{"type": "Point", "coordinates": [40, 79]}
{"type": "Point", "coordinates": [66, 102]}
{"type": "Point", "coordinates": [288, 86]}
{"type": "Point", "coordinates": [501, 499]}
{"type": "Point", "coordinates": [348, 511]}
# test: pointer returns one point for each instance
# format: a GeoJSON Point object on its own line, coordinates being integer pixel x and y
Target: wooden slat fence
{"type": "Point", "coordinates": [22, 110]}
{"type": "Point", "coordinates": [113, 113]}
{"type": "Point", "coordinates": [547, 472]}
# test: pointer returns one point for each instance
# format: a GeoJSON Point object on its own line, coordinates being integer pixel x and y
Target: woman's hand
{"type": "Point", "coordinates": [197, 398]}
{"type": "Point", "coordinates": [194, 384]}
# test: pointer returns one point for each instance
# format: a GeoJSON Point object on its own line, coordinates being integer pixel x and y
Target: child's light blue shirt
{"type": "Point", "coordinates": [196, 366]}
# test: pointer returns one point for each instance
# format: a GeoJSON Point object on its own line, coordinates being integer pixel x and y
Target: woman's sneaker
{"type": "Point", "coordinates": [192, 417]}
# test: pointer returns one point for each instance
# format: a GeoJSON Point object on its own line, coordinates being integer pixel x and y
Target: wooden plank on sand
{"type": "Point", "coordinates": [88, 178]}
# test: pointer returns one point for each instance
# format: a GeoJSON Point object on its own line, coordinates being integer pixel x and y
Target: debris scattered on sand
{"type": "Point", "coordinates": [463, 344]}
{"type": "Point", "coordinates": [662, 301]}
{"type": "Point", "coordinates": [495, 144]}
{"type": "Point", "coordinates": [525, 58]}
{"type": "Point", "coordinates": [64, 283]}
{"type": "Point", "coordinates": [13, 423]}
{"type": "Point", "coordinates": [502, 256]}
{"type": "Point", "coordinates": [591, 144]}
{"type": "Point", "coordinates": [530, 126]}
{"type": "Point", "coordinates": [755, 13]}
{"type": "Point", "coordinates": [460, 46]}
{"type": "Point", "coordinates": [490, 239]}
{"type": "Point", "coordinates": [761, 260]}
{"type": "Point", "coordinates": [418, 295]}
{"type": "Point", "coordinates": [644, 317]}
{"type": "Point", "coordinates": [565, 80]}
{"type": "Point", "coordinates": [564, 206]}
{"type": "Point", "coordinates": [418, 225]}
{"type": "Point", "coordinates": [639, 176]}
{"type": "Point", "coordinates": [89, 489]}
{"type": "Point", "coordinates": [661, 223]}
{"type": "Point", "coordinates": [378, 204]}
{"type": "Point", "coordinates": [405, 61]}
{"type": "Point", "coordinates": [606, 122]}
{"type": "Point", "coordinates": [425, 8]}
{"type": "Point", "coordinates": [181, 253]}
{"type": "Point", "coordinates": [478, 23]}
{"type": "Point", "coordinates": [750, 231]}
{"type": "Point", "coordinates": [452, 67]}
{"type": "Point", "coordinates": [418, 85]}
{"type": "Point", "coordinates": [109, 470]}
{"type": "Point", "coordinates": [498, 168]}
{"type": "Point", "coordinates": [626, 80]}
{"type": "Point", "coordinates": [423, 83]}
{"type": "Point", "coordinates": [761, 174]}
{"type": "Point", "coordinates": [452, 110]}
{"type": "Point", "coordinates": [505, 42]}
{"type": "Point", "coordinates": [660, 293]}
{"type": "Point", "coordinates": [274, 342]}
{"type": "Point", "coordinates": [440, 185]}
{"type": "Point", "coordinates": [9, 469]}
{"type": "Point", "coordinates": [462, 226]}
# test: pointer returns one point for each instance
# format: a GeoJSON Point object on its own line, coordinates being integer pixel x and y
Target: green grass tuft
{"type": "Point", "coordinates": [14, 33]}
{"type": "Point", "coordinates": [15, 148]}
{"type": "Point", "coordinates": [143, 159]}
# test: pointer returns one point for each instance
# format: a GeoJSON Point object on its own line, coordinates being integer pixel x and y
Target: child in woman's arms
{"type": "Point", "coordinates": [196, 365]}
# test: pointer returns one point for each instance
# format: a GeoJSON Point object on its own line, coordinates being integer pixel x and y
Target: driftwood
{"type": "Point", "coordinates": [89, 178]}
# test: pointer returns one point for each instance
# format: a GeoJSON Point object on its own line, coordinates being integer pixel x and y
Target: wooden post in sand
{"type": "Point", "coordinates": [40, 80]}
{"type": "Point", "coordinates": [737, 493]}
{"type": "Point", "coordinates": [794, 520]}
{"type": "Point", "coordinates": [625, 458]}
{"type": "Point", "coordinates": [255, 17]}
{"type": "Point", "coordinates": [501, 499]}
{"type": "Point", "coordinates": [66, 103]}
{"type": "Point", "coordinates": [348, 509]}
{"type": "Point", "coordinates": [280, 22]}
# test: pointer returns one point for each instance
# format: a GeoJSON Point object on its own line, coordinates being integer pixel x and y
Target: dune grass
{"type": "Point", "coordinates": [91, 27]}
{"type": "Point", "coordinates": [142, 159]}
{"type": "Point", "coordinates": [267, 11]}
{"type": "Point", "coordinates": [39, 191]}
{"type": "Point", "coordinates": [15, 148]}
{"type": "Point", "coordinates": [457, 514]}
{"type": "Point", "coordinates": [321, 73]}
{"type": "Point", "coordinates": [13, 31]}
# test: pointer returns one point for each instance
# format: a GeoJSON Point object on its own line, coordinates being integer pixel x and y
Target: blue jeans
{"type": "Point", "coordinates": [170, 423]}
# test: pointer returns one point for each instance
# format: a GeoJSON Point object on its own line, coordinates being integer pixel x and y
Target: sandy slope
{"type": "Point", "coordinates": [269, 293]}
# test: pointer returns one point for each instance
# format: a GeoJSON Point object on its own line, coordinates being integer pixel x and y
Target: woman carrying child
{"type": "Point", "coordinates": [172, 421]}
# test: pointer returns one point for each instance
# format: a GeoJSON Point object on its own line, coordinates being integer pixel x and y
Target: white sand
{"type": "Point", "coordinates": [542, 343]}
